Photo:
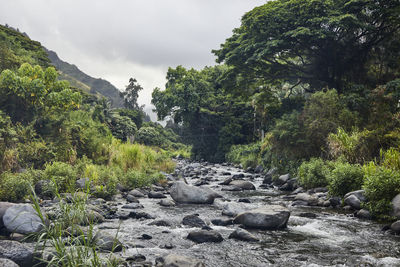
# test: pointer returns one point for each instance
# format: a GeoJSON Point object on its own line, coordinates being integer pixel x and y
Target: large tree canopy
{"type": "Point", "coordinates": [316, 43]}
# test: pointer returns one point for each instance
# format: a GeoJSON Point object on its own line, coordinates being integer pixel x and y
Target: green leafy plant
{"type": "Point", "coordinates": [345, 178]}
{"type": "Point", "coordinates": [314, 173]}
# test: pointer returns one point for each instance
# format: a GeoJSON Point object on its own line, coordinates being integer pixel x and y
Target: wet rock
{"type": "Point", "coordinates": [226, 173]}
{"type": "Point", "coordinates": [360, 194]}
{"type": "Point", "coordinates": [233, 209]}
{"type": "Point", "coordinates": [308, 215]}
{"type": "Point", "coordinates": [153, 194]}
{"type": "Point", "coordinates": [146, 237]}
{"type": "Point", "coordinates": [133, 206]}
{"type": "Point", "coordinates": [136, 258]}
{"type": "Point", "coordinates": [193, 221]}
{"type": "Point", "coordinates": [290, 185]}
{"type": "Point", "coordinates": [353, 202]}
{"type": "Point", "coordinates": [395, 227]}
{"type": "Point", "coordinates": [222, 222]}
{"type": "Point", "coordinates": [259, 169]}
{"type": "Point", "coordinates": [7, 263]}
{"type": "Point", "coordinates": [131, 199]}
{"type": "Point", "coordinates": [203, 236]}
{"type": "Point", "coordinates": [107, 242]}
{"type": "Point", "coordinates": [167, 203]}
{"type": "Point", "coordinates": [298, 190]}
{"type": "Point", "coordinates": [396, 206]}
{"type": "Point", "coordinates": [238, 176]}
{"type": "Point", "coordinates": [201, 182]}
{"type": "Point", "coordinates": [299, 203]}
{"type": "Point", "coordinates": [136, 193]}
{"type": "Point", "coordinates": [173, 260]}
{"type": "Point", "coordinates": [243, 235]}
{"type": "Point", "coordinates": [140, 215]}
{"type": "Point", "coordinates": [17, 252]}
{"type": "Point", "coordinates": [167, 246]}
{"type": "Point", "coordinates": [227, 181]}
{"type": "Point", "coordinates": [242, 185]}
{"type": "Point", "coordinates": [282, 179]}
{"type": "Point", "coordinates": [43, 189]}
{"type": "Point", "coordinates": [335, 201]}
{"type": "Point", "coordinates": [83, 183]}
{"type": "Point", "coordinates": [309, 199]}
{"type": "Point", "coordinates": [363, 214]}
{"type": "Point", "coordinates": [3, 207]}
{"type": "Point", "coordinates": [161, 223]}
{"type": "Point", "coordinates": [270, 217]}
{"type": "Point", "coordinates": [92, 216]}
{"type": "Point", "coordinates": [183, 193]}
{"type": "Point", "coordinates": [244, 200]}
{"type": "Point", "coordinates": [22, 219]}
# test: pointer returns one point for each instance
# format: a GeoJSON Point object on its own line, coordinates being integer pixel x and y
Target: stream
{"type": "Point", "coordinates": [315, 236]}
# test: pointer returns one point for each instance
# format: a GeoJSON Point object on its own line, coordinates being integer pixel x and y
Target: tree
{"type": "Point", "coordinates": [315, 43]}
{"type": "Point", "coordinates": [131, 94]}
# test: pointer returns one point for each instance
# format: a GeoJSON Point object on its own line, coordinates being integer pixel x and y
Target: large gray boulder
{"type": "Point", "coordinates": [173, 260]}
{"type": "Point", "coordinates": [354, 199]}
{"type": "Point", "coordinates": [233, 208]}
{"type": "Point", "coordinates": [3, 207]}
{"type": "Point", "coordinates": [17, 252]}
{"type": "Point", "coordinates": [7, 263]}
{"type": "Point", "coordinates": [22, 219]}
{"type": "Point", "coordinates": [203, 236]}
{"type": "Point", "coordinates": [396, 206]}
{"type": "Point", "coordinates": [243, 235]}
{"type": "Point", "coordinates": [242, 185]}
{"type": "Point", "coordinates": [270, 217]}
{"type": "Point", "coordinates": [183, 193]}
{"type": "Point", "coordinates": [309, 199]}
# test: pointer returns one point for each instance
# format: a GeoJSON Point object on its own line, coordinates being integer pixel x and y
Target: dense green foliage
{"type": "Point", "coordinates": [345, 178]}
{"type": "Point", "coordinates": [314, 173]}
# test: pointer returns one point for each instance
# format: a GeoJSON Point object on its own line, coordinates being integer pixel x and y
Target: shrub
{"type": "Point", "coordinates": [381, 185]}
{"type": "Point", "coordinates": [314, 173]}
{"type": "Point", "coordinates": [149, 136]}
{"type": "Point", "coordinates": [63, 174]}
{"type": "Point", "coordinates": [136, 179]}
{"type": "Point", "coordinates": [345, 178]}
{"type": "Point", "coordinates": [15, 187]}
{"type": "Point", "coordinates": [247, 155]}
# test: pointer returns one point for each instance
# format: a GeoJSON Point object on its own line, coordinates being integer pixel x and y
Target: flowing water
{"type": "Point", "coordinates": [332, 238]}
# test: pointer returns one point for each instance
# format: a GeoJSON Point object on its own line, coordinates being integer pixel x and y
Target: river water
{"type": "Point", "coordinates": [332, 238]}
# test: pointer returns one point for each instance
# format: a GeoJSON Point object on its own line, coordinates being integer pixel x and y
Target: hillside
{"type": "Point", "coordinates": [85, 82]}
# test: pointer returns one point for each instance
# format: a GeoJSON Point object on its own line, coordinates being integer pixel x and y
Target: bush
{"type": "Point", "coordinates": [345, 178]}
{"type": "Point", "coordinates": [314, 173]}
{"type": "Point", "coordinates": [381, 185]}
{"type": "Point", "coordinates": [136, 179]}
{"type": "Point", "coordinates": [246, 155]}
{"type": "Point", "coordinates": [103, 178]}
{"type": "Point", "coordinates": [15, 187]}
{"type": "Point", "coordinates": [63, 174]}
{"type": "Point", "coordinates": [149, 136]}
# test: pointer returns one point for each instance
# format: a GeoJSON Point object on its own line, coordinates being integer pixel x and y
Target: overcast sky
{"type": "Point", "coordinates": [119, 39]}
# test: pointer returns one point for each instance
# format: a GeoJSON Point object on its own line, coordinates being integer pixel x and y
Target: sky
{"type": "Point", "coordinates": [119, 39]}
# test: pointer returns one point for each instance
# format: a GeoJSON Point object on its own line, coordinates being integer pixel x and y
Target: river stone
{"type": "Point", "coordinates": [353, 201]}
{"type": "Point", "coordinates": [363, 214]}
{"type": "Point", "coordinates": [107, 242]}
{"type": "Point", "coordinates": [243, 235]}
{"type": "Point", "coordinates": [227, 181]}
{"type": "Point", "coordinates": [136, 193]}
{"type": "Point", "coordinates": [233, 209]}
{"type": "Point", "coordinates": [270, 217]}
{"type": "Point", "coordinates": [23, 219]}
{"type": "Point", "coordinates": [3, 207]}
{"type": "Point", "coordinates": [282, 179]}
{"type": "Point", "coordinates": [395, 227]}
{"type": "Point", "coordinates": [243, 185]}
{"type": "Point", "coordinates": [193, 221]}
{"type": "Point", "coordinates": [396, 206]}
{"type": "Point", "coordinates": [335, 201]}
{"type": "Point", "coordinates": [167, 203]}
{"type": "Point", "coordinates": [133, 206]}
{"type": "Point", "coordinates": [222, 222]}
{"type": "Point", "coordinates": [173, 260]}
{"type": "Point", "coordinates": [360, 194]}
{"type": "Point", "coordinates": [153, 194]}
{"type": "Point", "coordinates": [7, 263]}
{"type": "Point", "coordinates": [17, 252]}
{"type": "Point", "coordinates": [203, 236]}
{"type": "Point", "coordinates": [311, 200]}
{"type": "Point", "coordinates": [161, 223]}
{"type": "Point", "coordinates": [183, 193]}
{"type": "Point", "coordinates": [259, 169]}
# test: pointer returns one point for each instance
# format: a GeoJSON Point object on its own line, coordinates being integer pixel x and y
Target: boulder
{"type": "Point", "coordinates": [183, 193]}
{"type": "Point", "coordinates": [203, 236]}
{"type": "Point", "coordinates": [222, 222]}
{"type": "Point", "coordinates": [153, 194]}
{"type": "Point", "coordinates": [282, 179]}
{"type": "Point", "coordinates": [161, 223]}
{"type": "Point", "coordinates": [136, 193]}
{"type": "Point", "coordinates": [396, 206]}
{"type": "Point", "coordinates": [395, 227]}
{"type": "Point", "coordinates": [363, 214]}
{"type": "Point", "coordinates": [243, 235]}
{"type": "Point", "coordinates": [173, 260]}
{"type": "Point", "coordinates": [335, 201]}
{"type": "Point", "coordinates": [242, 185]}
{"type": "Point", "coordinates": [270, 217]}
{"type": "Point", "coordinates": [23, 219]}
{"type": "Point", "coordinates": [7, 263]}
{"type": "Point", "coordinates": [353, 201]}
{"type": "Point", "coordinates": [234, 208]}
{"type": "Point", "coordinates": [167, 203]}
{"type": "Point", "coordinates": [107, 242]}
{"type": "Point", "coordinates": [17, 252]}
{"type": "Point", "coordinates": [311, 200]}
{"type": "Point", "coordinates": [193, 221]}
{"type": "Point", "coordinates": [3, 207]}
{"type": "Point", "coordinates": [360, 194]}
{"type": "Point", "coordinates": [133, 206]}
{"type": "Point", "coordinates": [44, 188]}
{"type": "Point", "coordinates": [259, 169]}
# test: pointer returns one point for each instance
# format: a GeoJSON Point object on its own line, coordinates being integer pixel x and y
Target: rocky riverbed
{"type": "Point", "coordinates": [225, 216]}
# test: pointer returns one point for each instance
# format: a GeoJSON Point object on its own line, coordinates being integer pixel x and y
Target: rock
{"type": "Point", "coordinates": [140, 215]}
{"type": "Point", "coordinates": [153, 194]}
{"type": "Point", "coordinates": [270, 217]}
{"type": "Point", "coordinates": [282, 179]}
{"type": "Point", "coordinates": [3, 207]}
{"type": "Point", "coordinates": [243, 235]}
{"type": "Point", "coordinates": [396, 206]}
{"type": "Point", "coordinates": [83, 183]}
{"type": "Point", "coordinates": [7, 263]}
{"type": "Point", "coordinates": [136, 258]}
{"type": "Point", "coordinates": [233, 209]}
{"type": "Point", "coordinates": [222, 222]}
{"type": "Point", "coordinates": [92, 216]}
{"type": "Point", "coordinates": [173, 260]}
{"type": "Point", "coordinates": [146, 237]}
{"type": "Point", "coordinates": [227, 181]}
{"type": "Point", "coordinates": [335, 201]}
{"type": "Point", "coordinates": [290, 185]}
{"type": "Point", "coordinates": [242, 185]}
{"type": "Point", "coordinates": [17, 252]}
{"type": "Point", "coordinates": [203, 236]}
{"type": "Point", "coordinates": [22, 219]}
{"type": "Point", "coordinates": [298, 190]}
{"type": "Point", "coordinates": [244, 200]}
{"type": "Point", "coordinates": [259, 169]}
{"type": "Point", "coordinates": [160, 223]}
{"type": "Point", "coordinates": [299, 203]}
{"type": "Point", "coordinates": [395, 227]}
{"type": "Point", "coordinates": [183, 193]}
{"type": "Point", "coordinates": [133, 206]}
{"type": "Point", "coordinates": [353, 201]}
{"type": "Point", "coordinates": [238, 176]}
{"type": "Point", "coordinates": [107, 242]}
{"type": "Point", "coordinates": [193, 221]}
{"type": "Point", "coordinates": [363, 214]}
{"type": "Point", "coordinates": [359, 194]}
{"type": "Point", "coordinates": [43, 188]}
{"type": "Point", "coordinates": [131, 199]}
{"type": "Point", "coordinates": [308, 215]}
{"type": "Point", "coordinates": [311, 200]}
{"type": "Point", "coordinates": [136, 193]}
{"type": "Point", "coordinates": [167, 203]}
{"type": "Point", "coordinates": [267, 179]}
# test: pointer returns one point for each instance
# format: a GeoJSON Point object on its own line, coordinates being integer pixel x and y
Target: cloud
{"type": "Point", "coordinates": [119, 39]}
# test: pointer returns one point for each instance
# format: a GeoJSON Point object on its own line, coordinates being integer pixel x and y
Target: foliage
{"type": "Point", "coordinates": [149, 136]}
{"type": "Point", "coordinates": [63, 175]}
{"type": "Point", "coordinates": [246, 155]}
{"type": "Point", "coordinates": [131, 94]}
{"type": "Point", "coordinates": [314, 173]}
{"type": "Point", "coordinates": [345, 178]}
{"type": "Point", "coordinates": [15, 187]}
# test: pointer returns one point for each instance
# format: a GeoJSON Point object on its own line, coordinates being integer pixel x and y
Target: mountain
{"type": "Point", "coordinates": [79, 79]}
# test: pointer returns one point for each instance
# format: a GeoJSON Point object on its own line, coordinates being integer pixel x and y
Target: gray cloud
{"type": "Point", "coordinates": [119, 39]}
